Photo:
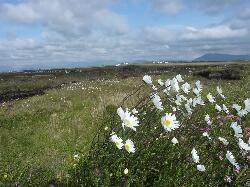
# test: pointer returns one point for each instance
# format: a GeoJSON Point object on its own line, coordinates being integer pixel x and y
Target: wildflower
{"type": "Point", "coordinates": [174, 141]}
{"type": "Point", "coordinates": [117, 140]}
{"type": "Point", "coordinates": [219, 90]}
{"type": "Point", "coordinates": [195, 156]}
{"type": "Point", "coordinates": [179, 78]}
{"type": "Point", "coordinates": [223, 140]}
{"type": "Point", "coordinates": [210, 98]}
{"type": "Point", "coordinates": [106, 128]}
{"type": "Point", "coordinates": [242, 113]}
{"type": "Point", "coordinates": [218, 108]}
{"type": "Point", "coordinates": [243, 145]}
{"type": "Point", "coordinates": [134, 111]}
{"type": "Point", "coordinates": [186, 88]}
{"type": "Point", "coordinates": [196, 91]}
{"type": "Point", "coordinates": [154, 87]}
{"type": "Point", "coordinates": [227, 179]}
{"type": "Point", "coordinates": [129, 146]}
{"type": "Point", "coordinates": [201, 167]}
{"type": "Point", "coordinates": [76, 157]}
{"type": "Point", "coordinates": [160, 82]}
{"type": "Point", "coordinates": [128, 120]}
{"type": "Point", "coordinates": [231, 159]}
{"type": "Point", "coordinates": [167, 83]}
{"type": "Point", "coordinates": [169, 122]}
{"type": "Point", "coordinates": [247, 104]}
{"type": "Point", "coordinates": [237, 170]}
{"type": "Point", "coordinates": [198, 85]}
{"type": "Point", "coordinates": [225, 109]}
{"type": "Point", "coordinates": [178, 100]}
{"type": "Point", "coordinates": [205, 134]}
{"type": "Point", "coordinates": [125, 171]}
{"type": "Point", "coordinates": [147, 79]}
{"type": "Point", "coordinates": [198, 101]}
{"type": "Point", "coordinates": [174, 85]}
{"type": "Point", "coordinates": [5, 176]}
{"type": "Point", "coordinates": [121, 113]}
{"type": "Point", "coordinates": [237, 130]}
{"type": "Point", "coordinates": [157, 102]}
{"type": "Point", "coordinates": [188, 108]}
{"type": "Point", "coordinates": [207, 119]}
{"type": "Point", "coordinates": [174, 109]}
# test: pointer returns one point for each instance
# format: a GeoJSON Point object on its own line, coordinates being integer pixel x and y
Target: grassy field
{"type": "Point", "coordinates": [41, 134]}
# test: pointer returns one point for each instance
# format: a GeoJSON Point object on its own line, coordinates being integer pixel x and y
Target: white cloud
{"type": "Point", "coordinates": [167, 6]}
{"type": "Point", "coordinates": [67, 17]}
{"type": "Point", "coordinates": [213, 32]}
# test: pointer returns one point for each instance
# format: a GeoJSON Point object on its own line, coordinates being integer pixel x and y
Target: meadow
{"type": "Point", "coordinates": [61, 136]}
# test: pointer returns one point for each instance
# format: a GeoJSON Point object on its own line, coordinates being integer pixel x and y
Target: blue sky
{"type": "Point", "coordinates": [51, 33]}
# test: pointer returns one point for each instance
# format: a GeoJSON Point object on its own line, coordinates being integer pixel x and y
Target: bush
{"type": "Point", "coordinates": [166, 154]}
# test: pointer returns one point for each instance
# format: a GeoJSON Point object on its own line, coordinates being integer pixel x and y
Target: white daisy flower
{"type": "Point", "coordinates": [231, 159]}
{"type": "Point", "coordinates": [157, 102]}
{"type": "Point", "coordinates": [207, 119]}
{"type": "Point", "coordinates": [205, 134]}
{"type": "Point", "coordinates": [198, 101]}
{"type": "Point", "coordinates": [198, 85]}
{"type": "Point", "coordinates": [167, 83]}
{"type": "Point", "coordinates": [125, 171]}
{"type": "Point", "coordinates": [247, 104]}
{"type": "Point", "coordinates": [196, 91]}
{"type": "Point", "coordinates": [236, 107]}
{"type": "Point", "coordinates": [117, 140]}
{"type": "Point", "coordinates": [160, 82]}
{"type": "Point", "coordinates": [195, 156]}
{"type": "Point", "coordinates": [243, 145]}
{"type": "Point", "coordinates": [179, 78]}
{"type": "Point", "coordinates": [188, 108]}
{"type": "Point", "coordinates": [121, 113]}
{"type": "Point", "coordinates": [154, 87]}
{"type": "Point", "coordinates": [242, 113]}
{"type": "Point", "coordinates": [128, 119]}
{"type": "Point", "coordinates": [178, 100]}
{"type": "Point", "coordinates": [219, 90]}
{"type": "Point", "coordinates": [237, 130]}
{"type": "Point", "coordinates": [174, 141]}
{"type": "Point", "coordinates": [129, 146]}
{"type": "Point", "coordinates": [186, 88]}
{"type": "Point", "coordinates": [147, 79]}
{"type": "Point", "coordinates": [175, 85]}
{"type": "Point", "coordinates": [223, 140]}
{"type": "Point", "coordinates": [201, 167]}
{"type": "Point", "coordinates": [218, 108]}
{"type": "Point", "coordinates": [134, 111]}
{"type": "Point", "coordinates": [169, 122]}
{"type": "Point", "coordinates": [225, 109]}
{"type": "Point", "coordinates": [210, 98]}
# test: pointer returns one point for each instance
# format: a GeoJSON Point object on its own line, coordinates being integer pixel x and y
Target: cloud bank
{"type": "Point", "coordinates": [58, 32]}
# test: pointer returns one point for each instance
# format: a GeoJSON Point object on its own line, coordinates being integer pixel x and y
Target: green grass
{"type": "Point", "coordinates": [40, 135]}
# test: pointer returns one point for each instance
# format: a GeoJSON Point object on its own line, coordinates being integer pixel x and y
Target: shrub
{"type": "Point", "coordinates": [182, 136]}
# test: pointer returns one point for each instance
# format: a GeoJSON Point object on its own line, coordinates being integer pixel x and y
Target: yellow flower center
{"type": "Point", "coordinates": [127, 122]}
{"type": "Point", "coordinates": [126, 147]}
{"type": "Point", "coordinates": [167, 122]}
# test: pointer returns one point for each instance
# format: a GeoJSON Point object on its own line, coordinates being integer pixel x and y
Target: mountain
{"type": "Point", "coordinates": [222, 57]}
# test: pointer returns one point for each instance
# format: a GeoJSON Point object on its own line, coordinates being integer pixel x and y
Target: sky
{"type": "Point", "coordinates": [58, 33]}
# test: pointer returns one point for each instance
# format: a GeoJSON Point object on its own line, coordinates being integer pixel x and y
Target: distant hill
{"type": "Point", "coordinates": [222, 57]}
